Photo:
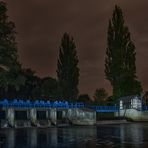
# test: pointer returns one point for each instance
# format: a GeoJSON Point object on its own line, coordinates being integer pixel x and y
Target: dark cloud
{"type": "Point", "coordinates": [41, 23]}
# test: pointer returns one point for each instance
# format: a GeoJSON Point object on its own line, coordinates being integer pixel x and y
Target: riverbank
{"type": "Point", "coordinates": [105, 122]}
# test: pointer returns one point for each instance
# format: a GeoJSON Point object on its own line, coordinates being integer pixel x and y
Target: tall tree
{"type": "Point", "coordinates": [9, 66]}
{"type": "Point", "coordinates": [67, 69]}
{"type": "Point", "coordinates": [120, 68]}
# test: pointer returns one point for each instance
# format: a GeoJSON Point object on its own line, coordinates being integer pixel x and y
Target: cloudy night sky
{"type": "Point", "coordinates": [40, 25]}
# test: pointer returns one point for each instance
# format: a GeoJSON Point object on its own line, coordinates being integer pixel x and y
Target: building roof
{"type": "Point", "coordinates": [128, 98]}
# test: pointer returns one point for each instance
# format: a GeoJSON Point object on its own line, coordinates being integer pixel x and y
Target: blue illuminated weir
{"type": "Point", "coordinates": [18, 103]}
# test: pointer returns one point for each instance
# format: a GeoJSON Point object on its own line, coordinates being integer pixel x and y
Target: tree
{"type": "Point", "coordinates": [100, 96]}
{"type": "Point", "coordinates": [110, 101]}
{"type": "Point", "coordinates": [11, 82]}
{"type": "Point", "coordinates": [49, 88]}
{"type": "Point", "coordinates": [8, 50]}
{"type": "Point", "coordinates": [9, 65]}
{"type": "Point", "coordinates": [84, 98]}
{"type": "Point", "coordinates": [67, 69]}
{"type": "Point", "coordinates": [120, 68]}
{"type": "Point", "coordinates": [32, 82]}
{"type": "Point", "coordinates": [145, 98]}
{"type": "Point", "coordinates": [37, 88]}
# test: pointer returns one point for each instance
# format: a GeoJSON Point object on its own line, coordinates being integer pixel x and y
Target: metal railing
{"type": "Point", "coordinates": [18, 103]}
{"type": "Point", "coordinates": [144, 108]}
{"type": "Point", "coordinates": [40, 104]}
{"type": "Point", "coordinates": [105, 108]}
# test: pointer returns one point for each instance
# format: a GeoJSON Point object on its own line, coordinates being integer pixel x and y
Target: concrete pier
{"type": "Point", "coordinates": [10, 116]}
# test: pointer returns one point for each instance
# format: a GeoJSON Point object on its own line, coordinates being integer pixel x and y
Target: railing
{"type": "Point", "coordinates": [54, 104]}
{"type": "Point", "coordinates": [105, 108]}
{"type": "Point", "coordinates": [40, 104]}
{"type": "Point", "coordinates": [144, 108]}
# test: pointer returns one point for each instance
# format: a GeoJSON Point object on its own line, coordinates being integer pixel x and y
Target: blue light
{"type": "Point", "coordinates": [20, 103]}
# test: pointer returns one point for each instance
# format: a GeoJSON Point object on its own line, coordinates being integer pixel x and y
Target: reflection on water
{"type": "Point", "coordinates": [133, 134]}
{"type": "Point", "coordinates": [124, 135]}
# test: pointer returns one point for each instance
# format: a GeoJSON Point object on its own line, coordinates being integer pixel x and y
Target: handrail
{"type": "Point", "coordinates": [19, 103]}
{"type": "Point", "coordinates": [41, 103]}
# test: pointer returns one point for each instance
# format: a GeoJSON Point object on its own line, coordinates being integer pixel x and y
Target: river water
{"type": "Point", "coordinates": [132, 135]}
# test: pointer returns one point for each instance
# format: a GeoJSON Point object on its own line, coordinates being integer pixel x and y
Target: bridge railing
{"type": "Point", "coordinates": [144, 108]}
{"type": "Point", "coordinates": [105, 108]}
{"type": "Point", "coordinates": [55, 104]}
{"type": "Point", "coordinates": [40, 104]}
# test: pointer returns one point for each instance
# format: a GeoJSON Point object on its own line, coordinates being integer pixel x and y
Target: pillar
{"type": "Point", "coordinates": [53, 115]}
{"type": "Point", "coordinates": [47, 115]}
{"type": "Point", "coordinates": [33, 116]}
{"type": "Point", "coordinates": [64, 114]}
{"type": "Point", "coordinates": [10, 116]}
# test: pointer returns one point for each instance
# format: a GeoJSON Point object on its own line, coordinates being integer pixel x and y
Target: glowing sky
{"type": "Point", "coordinates": [41, 23]}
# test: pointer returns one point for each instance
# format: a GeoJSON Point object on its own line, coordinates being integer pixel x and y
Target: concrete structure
{"type": "Point", "coordinates": [132, 108]}
{"type": "Point", "coordinates": [24, 115]}
{"type": "Point", "coordinates": [82, 116]}
{"type": "Point", "coordinates": [19, 113]}
{"type": "Point", "coordinates": [133, 114]}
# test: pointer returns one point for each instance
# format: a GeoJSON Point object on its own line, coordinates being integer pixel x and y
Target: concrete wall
{"type": "Point", "coordinates": [133, 114]}
{"type": "Point", "coordinates": [75, 116]}
{"type": "Point", "coordinates": [82, 117]}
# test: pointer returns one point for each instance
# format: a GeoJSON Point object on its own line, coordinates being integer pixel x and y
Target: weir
{"type": "Point", "coordinates": [26, 113]}
{"type": "Point", "coordinates": [19, 113]}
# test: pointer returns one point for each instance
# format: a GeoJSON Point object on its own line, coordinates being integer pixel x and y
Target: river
{"type": "Point", "coordinates": [132, 135]}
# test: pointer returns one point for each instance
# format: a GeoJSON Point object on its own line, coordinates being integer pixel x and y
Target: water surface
{"type": "Point", "coordinates": [124, 135]}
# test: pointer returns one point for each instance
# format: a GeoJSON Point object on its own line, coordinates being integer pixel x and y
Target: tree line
{"type": "Point", "coordinates": [120, 67]}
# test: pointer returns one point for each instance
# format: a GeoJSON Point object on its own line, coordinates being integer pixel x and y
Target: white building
{"type": "Point", "coordinates": [129, 102]}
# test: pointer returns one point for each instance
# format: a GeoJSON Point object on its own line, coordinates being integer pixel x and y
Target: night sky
{"type": "Point", "coordinates": [41, 23]}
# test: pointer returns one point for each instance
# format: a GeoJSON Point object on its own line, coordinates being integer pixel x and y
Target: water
{"type": "Point", "coordinates": [133, 135]}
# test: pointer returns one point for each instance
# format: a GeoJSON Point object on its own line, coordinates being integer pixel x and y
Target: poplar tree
{"type": "Point", "coordinates": [67, 69]}
{"type": "Point", "coordinates": [120, 67]}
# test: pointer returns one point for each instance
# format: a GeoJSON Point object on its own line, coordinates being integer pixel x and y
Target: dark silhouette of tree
{"type": "Point", "coordinates": [31, 82]}
{"type": "Point", "coordinates": [9, 65]}
{"type": "Point", "coordinates": [110, 101]}
{"type": "Point", "coordinates": [8, 50]}
{"type": "Point", "coordinates": [49, 88]}
{"type": "Point", "coordinates": [100, 96]}
{"type": "Point", "coordinates": [67, 69]}
{"type": "Point", "coordinates": [85, 98]}
{"type": "Point", "coordinates": [145, 98]}
{"type": "Point", "coordinates": [37, 88]}
{"type": "Point", "coordinates": [120, 68]}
